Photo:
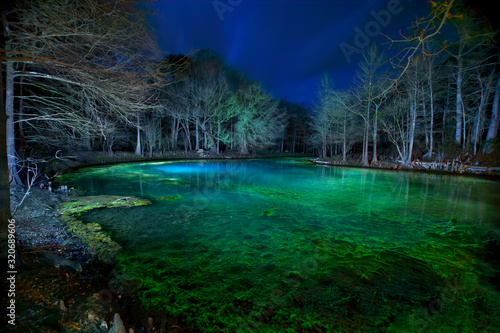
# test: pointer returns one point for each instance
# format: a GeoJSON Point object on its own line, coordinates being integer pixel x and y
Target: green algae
{"type": "Point", "coordinates": [78, 205]}
{"type": "Point", "coordinates": [174, 197]}
{"type": "Point", "coordinates": [340, 276]}
{"type": "Point", "coordinates": [92, 233]}
{"type": "Point", "coordinates": [330, 258]}
{"type": "Point", "coordinates": [269, 212]}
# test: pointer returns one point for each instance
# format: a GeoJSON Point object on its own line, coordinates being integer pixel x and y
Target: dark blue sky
{"type": "Point", "coordinates": [286, 45]}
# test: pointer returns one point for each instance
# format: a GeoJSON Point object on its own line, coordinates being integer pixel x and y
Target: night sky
{"type": "Point", "coordinates": [286, 45]}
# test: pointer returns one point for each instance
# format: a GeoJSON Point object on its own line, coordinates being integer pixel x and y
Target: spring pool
{"type": "Point", "coordinates": [281, 245]}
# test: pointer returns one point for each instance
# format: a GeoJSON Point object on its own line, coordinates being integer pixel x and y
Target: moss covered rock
{"type": "Point", "coordinates": [77, 205]}
{"type": "Point", "coordinates": [92, 233]}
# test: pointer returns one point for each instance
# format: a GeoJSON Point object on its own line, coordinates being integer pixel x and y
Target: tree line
{"type": "Point", "coordinates": [438, 92]}
{"type": "Point", "coordinates": [85, 74]}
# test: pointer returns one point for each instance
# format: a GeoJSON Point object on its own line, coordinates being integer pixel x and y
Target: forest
{"type": "Point", "coordinates": [90, 77]}
{"type": "Point", "coordinates": [85, 83]}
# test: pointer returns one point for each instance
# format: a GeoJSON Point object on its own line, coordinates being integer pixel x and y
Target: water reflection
{"type": "Point", "coordinates": [372, 192]}
{"type": "Point", "coordinates": [456, 197]}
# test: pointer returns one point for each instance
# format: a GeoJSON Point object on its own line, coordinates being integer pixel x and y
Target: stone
{"type": "Point", "coordinates": [62, 306]}
{"type": "Point", "coordinates": [92, 251]}
{"type": "Point", "coordinates": [150, 328]}
{"type": "Point", "coordinates": [82, 204]}
{"type": "Point", "coordinates": [104, 327]}
{"type": "Point", "coordinates": [118, 326]}
{"type": "Point", "coordinates": [58, 262]}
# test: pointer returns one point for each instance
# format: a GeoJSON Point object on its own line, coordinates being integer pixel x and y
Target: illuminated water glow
{"type": "Point", "coordinates": [277, 245]}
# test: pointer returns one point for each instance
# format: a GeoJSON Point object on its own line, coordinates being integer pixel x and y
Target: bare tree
{"type": "Point", "coordinates": [397, 124]}
{"type": "Point", "coordinates": [207, 96]}
{"type": "Point", "coordinates": [259, 122]}
{"type": "Point", "coordinates": [431, 78]}
{"type": "Point", "coordinates": [152, 132]}
{"type": "Point", "coordinates": [177, 104]}
{"type": "Point", "coordinates": [371, 93]}
{"type": "Point", "coordinates": [468, 51]}
{"type": "Point", "coordinates": [401, 117]}
{"type": "Point", "coordinates": [89, 50]}
{"type": "Point", "coordinates": [484, 88]}
{"type": "Point", "coordinates": [323, 119]}
{"type": "Point", "coordinates": [495, 118]}
{"type": "Point", "coordinates": [423, 32]}
{"type": "Point", "coordinates": [5, 213]}
{"type": "Point", "coordinates": [333, 123]}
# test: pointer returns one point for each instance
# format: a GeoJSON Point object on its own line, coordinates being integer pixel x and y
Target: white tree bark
{"type": "Point", "coordinates": [493, 128]}
{"type": "Point", "coordinates": [9, 113]}
{"type": "Point", "coordinates": [485, 88]}
{"type": "Point", "coordinates": [431, 102]}
{"type": "Point", "coordinates": [459, 104]}
{"type": "Point", "coordinates": [138, 150]}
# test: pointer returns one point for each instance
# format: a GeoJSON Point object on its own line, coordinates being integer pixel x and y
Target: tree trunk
{"type": "Point", "coordinates": [218, 136]}
{"type": "Point", "coordinates": [197, 145]}
{"type": "Point", "coordinates": [187, 132]}
{"type": "Point", "coordinates": [445, 111]}
{"type": "Point", "coordinates": [231, 135]}
{"type": "Point", "coordinates": [20, 111]}
{"type": "Point", "coordinates": [4, 177]}
{"type": "Point", "coordinates": [344, 143]}
{"type": "Point", "coordinates": [431, 129]}
{"type": "Point", "coordinates": [205, 146]}
{"type": "Point", "coordinates": [175, 133]}
{"type": "Point", "coordinates": [208, 137]}
{"type": "Point", "coordinates": [160, 137]}
{"type": "Point", "coordinates": [366, 135]}
{"type": "Point", "coordinates": [323, 149]}
{"type": "Point", "coordinates": [9, 122]}
{"type": "Point", "coordinates": [424, 113]}
{"type": "Point", "coordinates": [459, 105]}
{"type": "Point", "coordinates": [187, 142]}
{"type": "Point", "coordinates": [485, 96]}
{"type": "Point", "coordinates": [375, 136]}
{"type": "Point", "coordinates": [413, 121]}
{"type": "Point", "coordinates": [244, 148]}
{"type": "Point", "coordinates": [138, 150]}
{"type": "Point", "coordinates": [493, 128]}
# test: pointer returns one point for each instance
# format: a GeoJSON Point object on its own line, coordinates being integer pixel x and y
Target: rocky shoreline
{"type": "Point", "coordinates": [452, 167]}
{"type": "Point", "coordinates": [66, 280]}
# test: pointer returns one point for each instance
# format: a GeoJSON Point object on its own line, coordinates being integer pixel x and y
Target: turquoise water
{"type": "Point", "coordinates": [286, 246]}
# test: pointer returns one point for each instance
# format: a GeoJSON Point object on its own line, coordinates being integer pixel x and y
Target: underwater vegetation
{"type": "Point", "coordinates": [82, 204]}
{"type": "Point", "coordinates": [338, 285]}
{"type": "Point", "coordinates": [277, 247]}
{"type": "Point", "coordinates": [92, 233]}
{"type": "Point", "coordinates": [177, 196]}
